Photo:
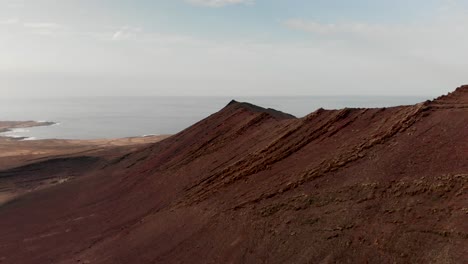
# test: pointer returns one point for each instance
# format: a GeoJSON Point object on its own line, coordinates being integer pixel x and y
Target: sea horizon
{"type": "Point", "coordinates": [117, 117]}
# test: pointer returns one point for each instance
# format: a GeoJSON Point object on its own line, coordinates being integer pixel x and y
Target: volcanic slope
{"type": "Point", "coordinates": [254, 185]}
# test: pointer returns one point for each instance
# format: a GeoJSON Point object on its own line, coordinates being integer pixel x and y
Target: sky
{"type": "Point", "coordinates": [54, 48]}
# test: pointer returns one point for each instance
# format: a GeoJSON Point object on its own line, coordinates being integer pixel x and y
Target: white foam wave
{"type": "Point", "coordinates": [18, 130]}
{"type": "Point", "coordinates": [12, 135]}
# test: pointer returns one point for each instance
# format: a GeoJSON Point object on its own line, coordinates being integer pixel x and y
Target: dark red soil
{"type": "Point", "coordinates": [253, 185]}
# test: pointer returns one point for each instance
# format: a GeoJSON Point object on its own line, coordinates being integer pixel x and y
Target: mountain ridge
{"type": "Point", "coordinates": [249, 185]}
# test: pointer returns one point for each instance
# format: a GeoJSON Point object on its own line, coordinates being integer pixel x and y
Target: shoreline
{"type": "Point", "coordinates": [10, 126]}
{"type": "Point", "coordinates": [16, 151]}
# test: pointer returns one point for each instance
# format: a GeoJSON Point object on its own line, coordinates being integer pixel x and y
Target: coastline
{"type": "Point", "coordinates": [9, 126]}
{"type": "Point", "coordinates": [17, 151]}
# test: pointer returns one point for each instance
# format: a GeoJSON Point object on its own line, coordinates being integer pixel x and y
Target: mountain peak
{"type": "Point", "coordinates": [258, 109]}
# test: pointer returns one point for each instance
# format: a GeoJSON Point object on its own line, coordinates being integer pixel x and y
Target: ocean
{"type": "Point", "coordinates": [115, 117]}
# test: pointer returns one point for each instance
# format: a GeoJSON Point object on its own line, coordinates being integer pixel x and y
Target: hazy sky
{"type": "Point", "coordinates": [232, 47]}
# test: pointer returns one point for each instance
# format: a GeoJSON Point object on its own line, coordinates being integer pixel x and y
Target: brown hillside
{"type": "Point", "coordinates": [254, 185]}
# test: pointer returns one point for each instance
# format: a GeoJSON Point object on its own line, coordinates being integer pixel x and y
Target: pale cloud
{"type": "Point", "coordinates": [42, 25]}
{"type": "Point", "coordinates": [441, 40]}
{"type": "Point", "coordinates": [15, 4]}
{"type": "Point", "coordinates": [10, 21]}
{"type": "Point", "coordinates": [220, 3]}
{"type": "Point", "coordinates": [44, 28]}
{"type": "Point", "coordinates": [126, 32]}
{"type": "Point", "coordinates": [321, 28]}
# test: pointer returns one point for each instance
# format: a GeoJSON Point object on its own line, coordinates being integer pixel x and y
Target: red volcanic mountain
{"type": "Point", "coordinates": [254, 185]}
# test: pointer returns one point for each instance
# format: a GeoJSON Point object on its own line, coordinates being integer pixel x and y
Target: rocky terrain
{"type": "Point", "coordinates": [254, 185]}
{"type": "Point", "coordinates": [31, 165]}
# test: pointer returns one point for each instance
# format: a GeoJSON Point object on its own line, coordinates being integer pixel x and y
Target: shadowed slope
{"type": "Point", "coordinates": [253, 185]}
